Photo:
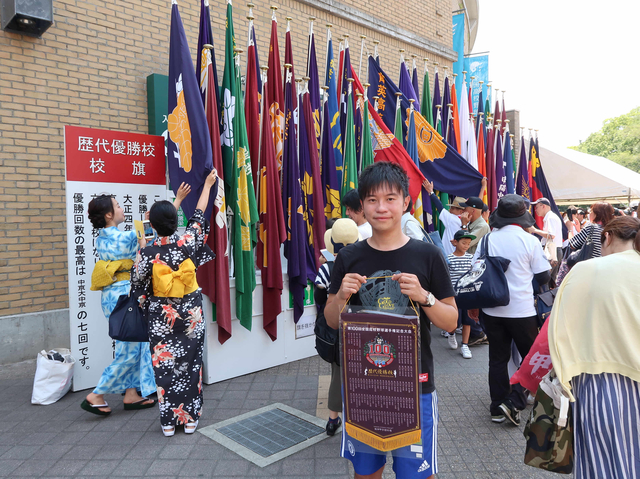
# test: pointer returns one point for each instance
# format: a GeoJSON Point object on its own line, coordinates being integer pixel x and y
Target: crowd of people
{"type": "Point", "coordinates": [596, 301]}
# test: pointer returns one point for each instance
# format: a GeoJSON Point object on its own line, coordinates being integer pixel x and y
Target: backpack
{"type": "Point", "coordinates": [327, 340]}
{"type": "Point", "coordinates": [431, 238]}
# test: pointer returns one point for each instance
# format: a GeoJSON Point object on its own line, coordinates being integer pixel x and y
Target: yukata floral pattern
{"type": "Point", "coordinates": [176, 325]}
{"type": "Point", "coordinates": [131, 367]}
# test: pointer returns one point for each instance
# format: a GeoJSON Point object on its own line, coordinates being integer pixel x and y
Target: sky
{"type": "Point", "coordinates": [566, 65]}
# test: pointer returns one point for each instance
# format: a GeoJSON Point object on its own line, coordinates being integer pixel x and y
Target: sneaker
{"type": "Point", "coordinates": [530, 399]}
{"type": "Point", "coordinates": [510, 412]}
{"type": "Point", "coordinates": [444, 334]}
{"type": "Point", "coordinates": [333, 426]}
{"type": "Point", "coordinates": [479, 340]}
{"type": "Point", "coordinates": [498, 418]}
{"type": "Point", "coordinates": [466, 353]}
{"type": "Point", "coordinates": [459, 330]}
{"type": "Point", "coordinates": [453, 344]}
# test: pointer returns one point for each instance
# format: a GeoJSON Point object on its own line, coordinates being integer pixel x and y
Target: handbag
{"type": "Point", "coordinates": [327, 341]}
{"type": "Point", "coordinates": [127, 321]}
{"type": "Point", "coordinates": [549, 430]}
{"type": "Point", "coordinates": [431, 238]}
{"type": "Point", "coordinates": [485, 284]}
{"type": "Point", "coordinates": [586, 252]}
{"type": "Point", "coordinates": [544, 303]}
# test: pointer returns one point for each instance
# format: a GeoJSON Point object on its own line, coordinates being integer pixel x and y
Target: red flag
{"type": "Point", "coordinates": [456, 118]}
{"type": "Point", "coordinates": [386, 146]}
{"type": "Point", "coordinates": [252, 106]}
{"type": "Point", "coordinates": [275, 115]}
{"type": "Point", "coordinates": [271, 230]}
{"type": "Point", "coordinates": [340, 68]}
{"type": "Point", "coordinates": [213, 276]}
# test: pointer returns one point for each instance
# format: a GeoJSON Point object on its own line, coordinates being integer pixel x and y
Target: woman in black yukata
{"type": "Point", "coordinates": [165, 280]}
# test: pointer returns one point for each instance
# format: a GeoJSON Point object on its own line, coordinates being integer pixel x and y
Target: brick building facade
{"type": "Point", "coordinates": [90, 69]}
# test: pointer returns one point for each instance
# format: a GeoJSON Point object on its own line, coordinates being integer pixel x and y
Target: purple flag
{"type": "Point", "coordinates": [406, 87]}
{"type": "Point", "coordinates": [314, 87]}
{"type": "Point", "coordinates": [205, 37]}
{"type": "Point", "coordinates": [437, 100]}
{"type": "Point", "coordinates": [446, 99]}
{"type": "Point", "coordinates": [331, 185]}
{"type": "Point", "coordinates": [414, 82]}
{"type": "Point", "coordinates": [294, 245]}
{"type": "Point", "coordinates": [344, 89]}
{"type": "Point", "coordinates": [501, 176]}
{"type": "Point", "coordinates": [189, 146]}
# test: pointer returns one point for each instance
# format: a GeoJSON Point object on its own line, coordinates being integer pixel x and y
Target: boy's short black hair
{"type": "Point", "coordinates": [380, 174]}
{"type": "Point", "coordinates": [329, 223]}
{"type": "Point", "coordinates": [352, 200]}
{"type": "Point", "coordinates": [164, 218]}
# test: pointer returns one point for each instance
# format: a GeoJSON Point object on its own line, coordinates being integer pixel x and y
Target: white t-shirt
{"type": "Point", "coordinates": [411, 227]}
{"type": "Point", "coordinates": [527, 259]}
{"type": "Point", "coordinates": [365, 230]}
{"type": "Point", "coordinates": [553, 225]}
{"type": "Point", "coordinates": [451, 225]}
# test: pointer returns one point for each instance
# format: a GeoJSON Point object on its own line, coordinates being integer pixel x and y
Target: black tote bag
{"type": "Point", "coordinates": [128, 322]}
{"type": "Point", "coordinates": [485, 284]}
{"type": "Point", "coordinates": [584, 253]}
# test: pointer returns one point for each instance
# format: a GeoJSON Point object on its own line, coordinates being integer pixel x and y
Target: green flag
{"type": "Point", "coordinates": [367, 148]}
{"type": "Point", "coordinates": [398, 126]}
{"type": "Point", "coordinates": [350, 166]}
{"type": "Point", "coordinates": [426, 108]}
{"type": "Point", "coordinates": [237, 169]}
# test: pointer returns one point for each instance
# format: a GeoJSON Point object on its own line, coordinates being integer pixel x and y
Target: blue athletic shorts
{"type": "Point", "coordinates": [417, 461]}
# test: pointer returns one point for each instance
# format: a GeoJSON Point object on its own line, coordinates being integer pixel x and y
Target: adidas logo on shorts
{"type": "Point", "coordinates": [424, 466]}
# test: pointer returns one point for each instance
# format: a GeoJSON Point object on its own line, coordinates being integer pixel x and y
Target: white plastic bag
{"type": "Point", "coordinates": [53, 378]}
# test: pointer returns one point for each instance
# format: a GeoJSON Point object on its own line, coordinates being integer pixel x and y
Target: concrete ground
{"type": "Point", "coordinates": [61, 440]}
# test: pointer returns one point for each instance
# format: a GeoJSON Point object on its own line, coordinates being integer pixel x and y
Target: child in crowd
{"type": "Point", "coordinates": [459, 264]}
{"type": "Point", "coordinates": [343, 232]}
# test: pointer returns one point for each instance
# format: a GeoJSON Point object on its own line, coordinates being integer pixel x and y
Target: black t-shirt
{"type": "Point", "coordinates": [424, 260]}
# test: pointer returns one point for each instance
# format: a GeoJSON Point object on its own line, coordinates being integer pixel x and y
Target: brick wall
{"type": "Point", "coordinates": [90, 69]}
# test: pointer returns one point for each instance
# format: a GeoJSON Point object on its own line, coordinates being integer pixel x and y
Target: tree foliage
{"type": "Point", "coordinates": [618, 140]}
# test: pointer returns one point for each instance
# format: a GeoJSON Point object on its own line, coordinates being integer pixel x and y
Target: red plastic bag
{"type": "Point", "coordinates": [537, 363]}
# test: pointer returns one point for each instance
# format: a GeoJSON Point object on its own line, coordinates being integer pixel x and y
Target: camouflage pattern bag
{"type": "Point", "coordinates": [549, 430]}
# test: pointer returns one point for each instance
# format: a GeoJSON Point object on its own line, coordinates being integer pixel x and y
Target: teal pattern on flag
{"type": "Point", "coordinates": [478, 67]}
{"type": "Point", "coordinates": [331, 80]}
{"type": "Point", "coordinates": [189, 147]}
{"type": "Point", "coordinates": [294, 245]}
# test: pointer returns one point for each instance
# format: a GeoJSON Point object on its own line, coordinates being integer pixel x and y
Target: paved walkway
{"type": "Point", "coordinates": [61, 440]}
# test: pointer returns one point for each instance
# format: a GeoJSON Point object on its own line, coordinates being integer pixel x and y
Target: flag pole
{"type": "Point", "coordinates": [375, 49]}
{"type": "Point", "coordinates": [326, 59]}
{"type": "Point", "coordinates": [311, 20]}
{"type": "Point", "coordinates": [362, 39]}
{"type": "Point", "coordinates": [375, 102]}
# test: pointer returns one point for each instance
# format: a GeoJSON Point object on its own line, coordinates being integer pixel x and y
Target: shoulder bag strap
{"type": "Point", "coordinates": [484, 249]}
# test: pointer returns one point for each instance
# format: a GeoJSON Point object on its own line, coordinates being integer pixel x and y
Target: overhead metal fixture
{"type": "Point", "coordinates": [27, 17]}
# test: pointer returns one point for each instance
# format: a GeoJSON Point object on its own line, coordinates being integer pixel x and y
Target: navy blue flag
{"type": "Point", "coordinates": [344, 89]}
{"type": "Point", "coordinates": [414, 82]}
{"type": "Point", "coordinates": [406, 86]}
{"type": "Point", "coordinates": [501, 175]}
{"type": "Point", "coordinates": [444, 111]}
{"type": "Point", "coordinates": [294, 245]}
{"type": "Point", "coordinates": [437, 100]}
{"type": "Point", "coordinates": [439, 161]}
{"type": "Point", "coordinates": [523, 188]}
{"type": "Point", "coordinates": [205, 37]}
{"type": "Point", "coordinates": [189, 146]}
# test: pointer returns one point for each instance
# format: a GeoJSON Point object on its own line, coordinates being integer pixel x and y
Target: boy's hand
{"type": "Point", "coordinates": [350, 285]}
{"type": "Point", "coordinates": [146, 215]}
{"type": "Point", "coordinates": [183, 191]}
{"type": "Point", "coordinates": [410, 285]}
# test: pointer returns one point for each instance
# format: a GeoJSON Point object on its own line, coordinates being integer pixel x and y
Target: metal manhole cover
{"type": "Point", "coordinates": [268, 434]}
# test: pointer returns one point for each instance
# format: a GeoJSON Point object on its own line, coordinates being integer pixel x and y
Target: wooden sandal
{"type": "Point", "coordinates": [168, 431]}
{"type": "Point", "coordinates": [95, 408]}
{"type": "Point", "coordinates": [190, 427]}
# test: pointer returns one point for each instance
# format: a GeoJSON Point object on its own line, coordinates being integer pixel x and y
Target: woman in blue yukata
{"type": "Point", "coordinates": [164, 280]}
{"type": "Point", "coordinates": [131, 370]}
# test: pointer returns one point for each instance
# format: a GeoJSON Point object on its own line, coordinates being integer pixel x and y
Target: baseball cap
{"type": "Point", "coordinates": [473, 202]}
{"type": "Point", "coordinates": [541, 201]}
{"type": "Point", "coordinates": [463, 234]}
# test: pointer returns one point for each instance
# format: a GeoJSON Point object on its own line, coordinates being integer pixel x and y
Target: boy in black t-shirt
{"type": "Point", "coordinates": [421, 273]}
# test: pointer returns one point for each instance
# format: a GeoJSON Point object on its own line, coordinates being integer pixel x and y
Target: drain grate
{"type": "Point", "coordinates": [268, 434]}
{"type": "Point", "coordinates": [271, 432]}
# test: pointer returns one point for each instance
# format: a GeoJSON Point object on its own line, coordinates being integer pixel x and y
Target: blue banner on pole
{"type": "Point", "coordinates": [458, 46]}
{"type": "Point", "coordinates": [477, 67]}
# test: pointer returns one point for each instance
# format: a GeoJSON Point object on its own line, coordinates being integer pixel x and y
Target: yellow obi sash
{"type": "Point", "coordinates": [106, 273]}
{"type": "Point", "coordinates": [168, 283]}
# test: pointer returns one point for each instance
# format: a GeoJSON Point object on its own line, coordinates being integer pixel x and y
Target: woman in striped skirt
{"type": "Point", "coordinates": [594, 332]}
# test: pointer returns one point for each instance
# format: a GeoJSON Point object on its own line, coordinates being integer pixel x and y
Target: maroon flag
{"type": "Point", "coordinates": [271, 230]}
{"type": "Point", "coordinates": [288, 59]}
{"type": "Point", "coordinates": [213, 276]}
{"type": "Point", "coordinates": [252, 104]}
{"type": "Point", "coordinates": [275, 114]}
